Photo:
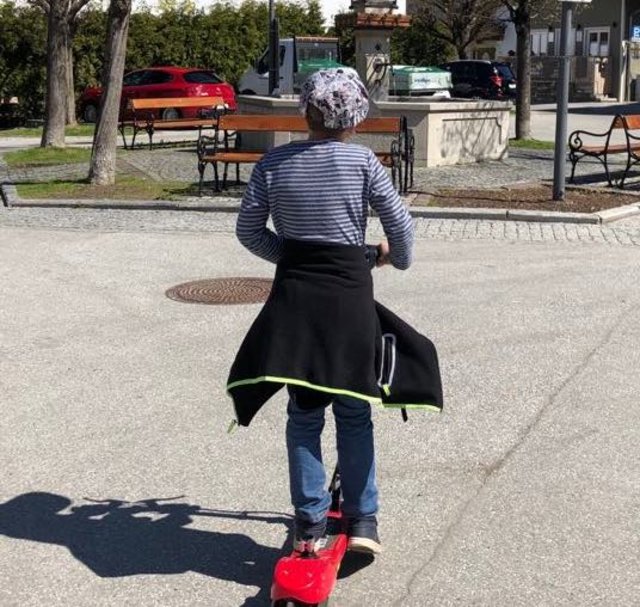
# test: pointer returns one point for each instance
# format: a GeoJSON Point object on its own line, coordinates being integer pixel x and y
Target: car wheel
{"type": "Point", "coordinates": [247, 92]}
{"type": "Point", "coordinates": [170, 113]}
{"type": "Point", "coordinates": [90, 113]}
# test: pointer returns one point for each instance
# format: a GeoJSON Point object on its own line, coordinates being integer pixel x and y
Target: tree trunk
{"type": "Point", "coordinates": [523, 92]}
{"type": "Point", "coordinates": [103, 155]}
{"type": "Point", "coordinates": [56, 99]}
{"type": "Point", "coordinates": [71, 94]}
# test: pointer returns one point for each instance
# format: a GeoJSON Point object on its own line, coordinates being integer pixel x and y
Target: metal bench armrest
{"type": "Point", "coordinates": [575, 138]}
{"type": "Point", "coordinates": [206, 145]}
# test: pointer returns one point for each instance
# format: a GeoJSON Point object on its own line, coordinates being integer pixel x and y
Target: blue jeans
{"type": "Point", "coordinates": [356, 459]}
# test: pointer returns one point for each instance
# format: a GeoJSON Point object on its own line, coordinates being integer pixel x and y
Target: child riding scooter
{"type": "Point", "coordinates": [321, 334]}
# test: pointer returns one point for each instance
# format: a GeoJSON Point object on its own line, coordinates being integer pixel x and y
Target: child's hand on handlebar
{"type": "Point", "coordinates": [383, 254]}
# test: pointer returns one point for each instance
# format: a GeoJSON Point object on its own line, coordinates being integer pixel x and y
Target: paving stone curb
{"type": "Point", "coordinates": [628, 210]}
{"type": "Point", "coordinates": [10, 198]}
{"type": "Point", "coordinates": [9, 195]}
{"type": "Point", "coordinates": [135, 205]}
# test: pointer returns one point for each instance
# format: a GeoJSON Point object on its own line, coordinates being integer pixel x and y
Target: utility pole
{"type": "Point", "coordinates": [274, 52]}
{"type": "Point", "coordinates": [560, 160]}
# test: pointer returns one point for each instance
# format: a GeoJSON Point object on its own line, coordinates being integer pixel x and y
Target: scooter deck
{"type": "Point", "coordinates": [310, 579]}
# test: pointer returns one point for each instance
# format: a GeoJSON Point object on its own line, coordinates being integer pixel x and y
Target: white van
{"type": "Point", "coordinates": [299, 57]}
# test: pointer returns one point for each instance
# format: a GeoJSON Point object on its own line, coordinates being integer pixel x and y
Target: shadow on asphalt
{"type": "Point", "coordinates": [115, 538]}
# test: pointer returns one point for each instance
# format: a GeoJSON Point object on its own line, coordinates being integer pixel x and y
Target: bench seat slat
{"type": "Point", "coordinates": [600, 149]}
{"type": "Point", "coordinates": [233, 157]}
{"type": "Point", "coordinates": [175, 124]}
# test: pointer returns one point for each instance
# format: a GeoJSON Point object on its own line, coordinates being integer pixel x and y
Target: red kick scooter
{"type": "Point", "coordinates": [307, 579]}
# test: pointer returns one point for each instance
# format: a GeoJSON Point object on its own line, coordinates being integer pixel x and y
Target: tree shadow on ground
{"type": "Point", "coordinates": [115, 538]}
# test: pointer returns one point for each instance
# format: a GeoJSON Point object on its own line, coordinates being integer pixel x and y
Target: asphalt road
{"type": "Point", "coordinates": [524, 492]}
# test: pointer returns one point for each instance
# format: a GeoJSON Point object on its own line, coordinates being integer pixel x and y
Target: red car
{"type": "Point", "coordinates": [157, 82]}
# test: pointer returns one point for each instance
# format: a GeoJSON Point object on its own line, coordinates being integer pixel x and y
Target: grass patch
{"type": "Point", "coordinates": [79, 130]}
{"type": "Point", "coordinates": [38, 157]}
{"type": "Point", "coordinates": [532, 144]}
{"type": "Point", "coordinates": [127, 187]}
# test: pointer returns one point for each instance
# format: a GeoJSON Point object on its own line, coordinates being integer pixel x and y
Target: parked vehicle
{"type": "Point", "coordinates": [299, 57]}
{"type": "Point", "coordinates": [409, 80]}
{"type": "Point", "coordinates": [10, 113]}
{"type": "Point", "coordinates": [162, 82]}
{"type": "Point", "coordinates": [480, 78]}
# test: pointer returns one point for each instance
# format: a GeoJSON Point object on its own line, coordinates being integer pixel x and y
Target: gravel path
{"type": "Point", "coordinates": [180, 164]}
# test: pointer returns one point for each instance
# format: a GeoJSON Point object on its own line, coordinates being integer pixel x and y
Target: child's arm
{"type": "Point", "coordinates": [251, 227]}
{"type": "Point", "coordinates": [395, 219]}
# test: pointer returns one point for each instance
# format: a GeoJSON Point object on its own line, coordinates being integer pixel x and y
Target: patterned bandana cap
{"type": "Point", "coordinates": [339, 95]}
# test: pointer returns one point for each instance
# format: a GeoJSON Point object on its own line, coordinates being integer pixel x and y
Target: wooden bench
{"type": "Point", "coordinates": [148, 115]}
{"type": "Point", "coordinates": [220, 148]}
{"type": "Point", "coordinates": [582, 144]}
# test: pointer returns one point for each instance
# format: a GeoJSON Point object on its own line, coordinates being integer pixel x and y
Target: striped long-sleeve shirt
{"type": "Point", "coordinates": [320, 191]}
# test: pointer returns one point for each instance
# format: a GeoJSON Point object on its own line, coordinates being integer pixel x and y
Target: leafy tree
{"type": "Point", "coordinates": [417, 45]}
{"type": "Point", "coordinates": [61, 16]}
{"type": "Point", "coordinates": [461, 23]}
{"type": "Point", "coordinates": [103, 154]}
{"type": "Point", "coordinates": [346, 40]}
{"type": "Point", "coordinates": [521, 13]}
{"type": "Point", "coordinates": [225, 37]}
{"type": "Point", "coordinates": [88, 47]}
{"type": "Point", "coordinates": [23, 56]}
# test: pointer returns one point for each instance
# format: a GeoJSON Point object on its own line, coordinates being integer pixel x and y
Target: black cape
{"type": "Point", "coordinates": [321, 334]}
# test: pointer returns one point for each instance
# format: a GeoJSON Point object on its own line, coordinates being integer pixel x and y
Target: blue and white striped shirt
{"type": "Point", "coordinates": [320, 191]}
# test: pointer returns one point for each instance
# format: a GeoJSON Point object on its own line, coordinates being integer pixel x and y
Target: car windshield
{"type": "Point", "coordinates": [202, 77]}
{"type": "Point", "coordinates": [505, 72]}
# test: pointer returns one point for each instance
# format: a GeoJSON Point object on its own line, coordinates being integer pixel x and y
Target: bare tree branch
{"type": "Point", "coordinates": [43, 4]}
{"type": "Point", "coordinates": [76, 6]}
{"type": "Point", "coordinates": [462, 23]}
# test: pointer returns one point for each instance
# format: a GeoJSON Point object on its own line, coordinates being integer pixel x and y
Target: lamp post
{"type": "Point", "coordinates": [274, 59]}
{"type": "Point", "coordinates": [560, 161]}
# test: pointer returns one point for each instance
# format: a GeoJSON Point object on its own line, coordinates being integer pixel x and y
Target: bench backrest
{"type": "Point", "coordinates": [380, 125]}
{"type": "Point", "coordinates": [630, 122]}
{"type": "Point", "coordinates": [166, 102]}
{"type": "Point", "coordinates": [261, 122]}
{"type": "Point", "coordinates": [297, 124]}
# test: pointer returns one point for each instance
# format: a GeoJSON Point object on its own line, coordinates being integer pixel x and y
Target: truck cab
{"type": "Point", "coordinates": [299, 57]}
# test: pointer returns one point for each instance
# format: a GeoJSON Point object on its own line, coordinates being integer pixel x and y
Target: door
{"type": "Point", "coordinates": [130, 90]}
{"type": "Point", "coordinates": [463, 77]}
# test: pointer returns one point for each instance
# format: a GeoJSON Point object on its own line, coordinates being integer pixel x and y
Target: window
{"type": "Point", "coordinates": [202, 77]}
{"type": "Point", "coordinates": [573, 38]}
{"type": "Point", "coordinates": [539, 42]}
{"type": "Point", "coordinates": [262, 67]}
{"type": "Point", "coordinates": [134, 78]}
{"type": "Point", "coordinates": [155, 77]}
{"type": "Point", "coordinates": [598, 42]}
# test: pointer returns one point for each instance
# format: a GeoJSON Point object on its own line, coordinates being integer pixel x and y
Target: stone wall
{"type": "Point", "coordinates": [590, 78]}
{"type": "Point", "coordinates": [446, 132]}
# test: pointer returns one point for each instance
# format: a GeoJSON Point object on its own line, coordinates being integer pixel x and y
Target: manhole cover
{"type": "Point", "coordinates": [222, 291]}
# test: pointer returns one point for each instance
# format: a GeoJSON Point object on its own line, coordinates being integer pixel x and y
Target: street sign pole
{"type": "Point", "coordinates": [274, 51]}
{"type": "Point", "coordinates": [560, 161]}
